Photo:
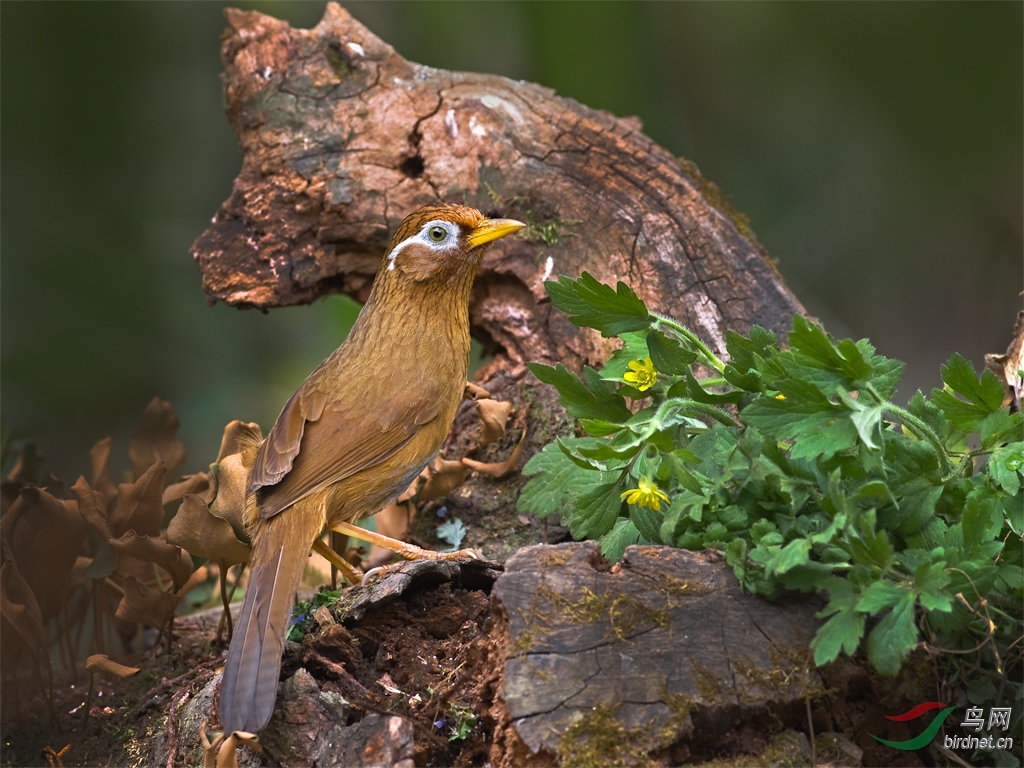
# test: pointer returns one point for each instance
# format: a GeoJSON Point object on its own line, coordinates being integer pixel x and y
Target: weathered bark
{"type": "Point", "coordinates": [341, 137]}
{"type": "Point", "coordinates": [658, 660]}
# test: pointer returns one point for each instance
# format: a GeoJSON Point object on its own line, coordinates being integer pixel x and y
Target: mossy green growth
{"type": "Point", "coordinates": [599, 740]}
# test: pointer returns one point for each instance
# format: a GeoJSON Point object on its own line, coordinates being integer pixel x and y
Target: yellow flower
{"type": "Point", "coordinates": [641, 374]}
{"type": "Point", "coordinates": [647, 495]}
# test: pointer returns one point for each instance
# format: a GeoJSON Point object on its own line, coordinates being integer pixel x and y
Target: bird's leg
{"type": "Point", "coordinates": [352, 576]}
{"type": "Point", "coordinates": [402, 548]}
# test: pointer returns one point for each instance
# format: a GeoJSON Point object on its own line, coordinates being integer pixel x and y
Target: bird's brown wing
{"type": "Point", "coordinates": [336, 442]}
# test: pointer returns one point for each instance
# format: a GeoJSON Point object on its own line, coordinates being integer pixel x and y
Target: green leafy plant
{"type": "Point", "coordinates": [461, 721]}
{"type": "Point", "coordinates": [797, 465]}
{"type": "Point", "coordinates": [302, 613]}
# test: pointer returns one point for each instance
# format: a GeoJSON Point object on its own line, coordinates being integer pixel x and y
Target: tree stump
{"type": "Point", "coordinates": [342, 137]}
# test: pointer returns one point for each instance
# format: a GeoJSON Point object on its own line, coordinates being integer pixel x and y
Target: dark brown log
{"type": "Point", "coordinates": [342, 137]}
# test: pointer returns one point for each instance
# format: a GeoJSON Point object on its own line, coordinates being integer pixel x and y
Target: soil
{"type": "Point", "coordinates": [435, 655]}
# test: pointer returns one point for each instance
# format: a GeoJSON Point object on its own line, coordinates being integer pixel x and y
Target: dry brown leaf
{"type": "Point", "coordinates": [153, 549]}
{"type": "Point", "coordinates": [45, 536]}
{"type": "Point", "coordinates": [139, 504]}
{"type": "Point", "coordinates": [238, 435]}
{"type": "Point", "coordinates": [1006, 366]}
{"type": "Point", "coordinates": [145, 605]}
{"type": "Point", "coordinates": [101, 482]}
{"type": "Point", "coordinates": [232, 481]}
{"type": "Point", "coordinates": [493, 415]}
{"type": "Point", "coordinates": [475, 392]}
{"type": "Point", "coordinates": [92, 506]}
{"type": "Point", "coordinates": [445, 477]}
{"type": "Point", "coordinates": [20, 609]}
{"type": "Point", "coordinates": [77, 576]}
{"type": "Point", "coordinates": [197, 483]}
{"type": "Point", "coordinates": [499, 468]}
{"type": "Point", "coordinates": [209, 750]}
{"type": "Point", "coordinates": [155, 440]}
{"type": "Point", "coordinates": [100, 662]}
{"type": "Point", "coordinates": [226, 757]}
{"type": "Point", "coordinates": [204, 534]}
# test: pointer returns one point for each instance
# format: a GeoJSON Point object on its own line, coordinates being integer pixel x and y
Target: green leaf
{"type": "Point", "coordinates": [669, 355]}
{"type": "Point", "coordinates": [817, 349]}
{"type": "Point", "coordinates": [599, 428]}
{"type": "Point", "coordinates": [691, 388]}
{"type": "Point", "coordinates": [865, 418]}
{"type": "Point", "coordinates": [556, 477]}
{"type": "Point", "coordinates": [893, 637]}
{"type": "Point", "coordinates": [1000, 427]}
{"type": "Point", "coordinates": [981, 520]}
{"type": "Point", "coordinates": [747, 353]}
{"type": "Point", "coordinates": [982, 396]}
{"type": "Point", "coordinates": [818, 428]}
{"type": "Point", "coordinates": [634, 347]}
{"type": "Point", "coordinates": [874, 493]}
{"type": "Point", "coordinates": [592, 304]}
{"type": "Point", "coordinates": [622, 535]}
{"type": "Point", "coordinates": [593, 513]}
{"type": "Point", "coordinates": [929, 580]}
{"type": "Point", "coordinates": [842, 632]}
{"type": "Point", "coordinates": [590, 398]}
{"type": "Point", "coordinates": [791, 555]}
{"type": "Point", "coordinates": [1006, 467]}
{"type": "Point", "coordinates": [880, 595]}
{"type": "Point", "coordinates": [647, 521]}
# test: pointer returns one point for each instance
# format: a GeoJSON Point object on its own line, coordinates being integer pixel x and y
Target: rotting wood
{"type": "Point", "coordinates": [341, 137]}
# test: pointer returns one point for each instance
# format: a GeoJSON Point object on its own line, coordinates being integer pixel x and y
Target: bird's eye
{"type": "Point", "coordinates": [437, 234]}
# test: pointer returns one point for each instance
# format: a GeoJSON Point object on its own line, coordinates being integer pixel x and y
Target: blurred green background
{"type": "Point", "coordinates": [876, 148]}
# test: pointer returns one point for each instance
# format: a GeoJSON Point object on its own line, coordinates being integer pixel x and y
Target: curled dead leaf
{"type": "Point", "coordinates": [196, 483]}
{"type": "Point", "coordinates": [209, 750]}
{"type": "Point", "coordinates": [154, 439]}
{"type": "Point", "coordinates": [238, 435]}
{"type": "Point", "coordinates": [475, 392]}
{"type": "Point", "coordinates": [100, 662]}
{"type": "Point", "coordinates": [226, 756]}
{"type": "Point", "coordinates": [232, 479]}
{"type": "Point", "coordinates": [500, 468]}
{"type": "Point", "coordinates": [493, 416]}
{"type": "Point", "coordinates": [1006, 366]}
{"type": "Point", "coordinates": [145, 605]}
{"type": "Point", "coordinates": [20, 609]}
{"type": "Point", "coordinates": [203, 534]}
{"type": "Point", "coordinates": [445, 477]}
{"type": "Point", "coordinates": [101, 482]}
{"type": "Point", "coordinates": [92, 506]}
{"type": "Point", "coordinates": [140, 504]}
{"type": "Point", "coordinates": [44, 535]}
{"type": "Point", "coordinates": [155, 549]}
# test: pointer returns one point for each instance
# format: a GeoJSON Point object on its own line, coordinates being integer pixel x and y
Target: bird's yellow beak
{"type": "Point", "coordinates": [491, 229]}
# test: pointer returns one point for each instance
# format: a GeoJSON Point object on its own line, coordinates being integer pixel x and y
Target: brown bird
{"type": "Point", "coordinates": [355, 434]}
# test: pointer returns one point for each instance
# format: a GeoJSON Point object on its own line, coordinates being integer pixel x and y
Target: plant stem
{"type": "Point", "coordinates": [907, 419]}
{"type": "Point", "coordinates": [709, 357]}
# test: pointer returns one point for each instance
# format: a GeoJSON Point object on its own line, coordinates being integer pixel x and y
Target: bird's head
{"type": "Point", "coordinates": [443, 241]}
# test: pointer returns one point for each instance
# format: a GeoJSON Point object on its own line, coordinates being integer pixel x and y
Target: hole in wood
{"type": "Point", "coordinates": [412, 167]}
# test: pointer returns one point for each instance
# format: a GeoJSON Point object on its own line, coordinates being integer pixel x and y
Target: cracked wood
{"type": "Point", "coordinates": [667, 639]}
{"type": "Point", "coordinates": [341, 137]}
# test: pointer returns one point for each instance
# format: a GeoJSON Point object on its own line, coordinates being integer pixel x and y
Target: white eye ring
{"type": "Point", "coordinates": [438, 235]}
